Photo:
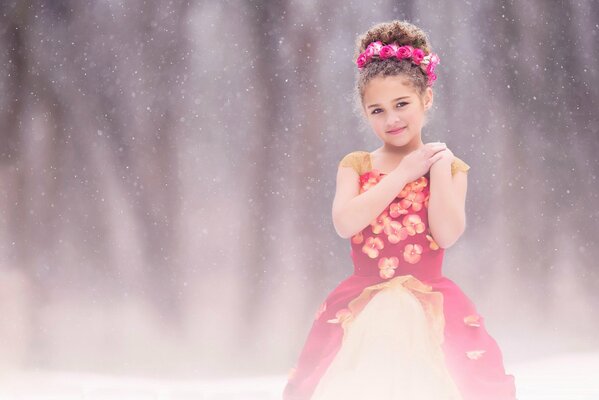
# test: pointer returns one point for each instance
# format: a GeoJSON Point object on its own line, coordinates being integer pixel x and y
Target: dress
{"type": "Point", "coordinates": [397, 329]}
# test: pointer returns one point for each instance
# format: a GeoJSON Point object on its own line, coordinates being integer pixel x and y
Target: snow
{"type": "Point", "coordinates": [570, 376]}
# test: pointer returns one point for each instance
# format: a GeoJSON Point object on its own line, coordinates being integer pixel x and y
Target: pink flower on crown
{"type": "Point", "coordinates": [373, 48]}
{"type": "Point", "coordinates": [388, 51]}
{"type": "Point", "coordinates": [430, 68]}
{"type": "Point", "coordinates": [362, 60]}
{"type": "Point", "coordinates": [431, 78]}
{"type": "Point", "coordinates": [404, 52]}
{"type": "Point", "coordinates": [430, 62]}
{"type": "Point", "coordinates": [417, 56]}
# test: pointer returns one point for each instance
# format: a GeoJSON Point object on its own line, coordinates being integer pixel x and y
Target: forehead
{"type": "Point", "coordinates": [381, 90]}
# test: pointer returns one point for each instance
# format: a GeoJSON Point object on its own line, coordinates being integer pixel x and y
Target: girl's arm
{"type": "Point", "coordinates": [447, 203]}
{"type": "Point", "coordinates": [352, 210]}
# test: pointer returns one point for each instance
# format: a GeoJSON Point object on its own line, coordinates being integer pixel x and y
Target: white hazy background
{"type": "Point", "coordinates": [167, 170]}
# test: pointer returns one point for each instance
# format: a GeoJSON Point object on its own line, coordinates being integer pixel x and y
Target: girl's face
{"type": "Point", "coordinates": [390, 103]}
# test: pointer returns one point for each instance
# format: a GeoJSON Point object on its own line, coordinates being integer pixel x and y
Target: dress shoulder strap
{"type": "Point", "coordinates": [458, 165]}
{"type": "Point", "coordinates": [358, 160]}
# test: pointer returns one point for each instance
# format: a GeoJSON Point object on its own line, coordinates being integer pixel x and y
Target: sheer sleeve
{"type": "Point", "coordinates": [358, 160]}
{"type": "Point", "coordinates": [459, 165]}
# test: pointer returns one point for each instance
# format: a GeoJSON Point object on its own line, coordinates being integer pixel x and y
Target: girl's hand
{"type": "Point", "coordinates": [418, 162]}
{"type": "Point", "coordinates": [445, 159]}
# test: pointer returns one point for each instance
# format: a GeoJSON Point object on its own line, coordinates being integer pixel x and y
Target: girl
{"type": "Point", "coordinates": [397, 328]}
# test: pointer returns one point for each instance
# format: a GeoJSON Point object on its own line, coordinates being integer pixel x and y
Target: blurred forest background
{"type": "Point", "coordinates": [167, 170]}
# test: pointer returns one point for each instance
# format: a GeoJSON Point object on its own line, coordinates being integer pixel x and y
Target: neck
{"type": "Point", "coordinates": [403, 150]}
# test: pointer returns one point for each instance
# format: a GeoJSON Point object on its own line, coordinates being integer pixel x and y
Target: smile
{"type": "Point", "coordinates": [397, 131]}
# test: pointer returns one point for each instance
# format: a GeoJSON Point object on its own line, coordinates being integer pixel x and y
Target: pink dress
{"type": "Point", "coordinates": [397, 328]}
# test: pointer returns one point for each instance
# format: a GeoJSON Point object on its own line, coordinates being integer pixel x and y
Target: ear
{"type": "Point", "coordinates": [428, 98]}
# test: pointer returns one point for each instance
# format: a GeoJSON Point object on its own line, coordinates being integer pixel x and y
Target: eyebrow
{"type": "Point", "coordinates": [399, 98]}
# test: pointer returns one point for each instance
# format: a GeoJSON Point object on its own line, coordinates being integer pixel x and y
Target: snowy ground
{"type": "Point", "coordinates": [567, 377]}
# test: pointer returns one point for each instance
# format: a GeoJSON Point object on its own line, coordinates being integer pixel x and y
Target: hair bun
{"type": "Point", "coordinates": [401, 32]}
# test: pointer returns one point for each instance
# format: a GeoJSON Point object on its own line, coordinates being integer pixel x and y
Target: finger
{"type": "Point", "coordinates": [436, 157]}
{"type": "Point", "coordinates": [436, 145]}
{"type": "Point", "coordinates": [435, 150]}
{"type": "Point", "coordinates": [430, 150]}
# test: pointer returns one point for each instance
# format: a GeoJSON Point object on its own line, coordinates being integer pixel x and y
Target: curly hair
{"type": "Point", "coordinates": [402, 32]}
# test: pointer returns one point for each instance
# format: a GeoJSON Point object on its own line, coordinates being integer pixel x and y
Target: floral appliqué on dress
{"type": "Point", "coordinates": [398, 222]}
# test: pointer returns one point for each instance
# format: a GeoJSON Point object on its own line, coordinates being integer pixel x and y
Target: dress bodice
{"type": "Point", "coordinates": [398, 241]}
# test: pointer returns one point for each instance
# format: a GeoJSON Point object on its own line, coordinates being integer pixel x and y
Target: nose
{"type": "Point", "coordinates": [393, 120]}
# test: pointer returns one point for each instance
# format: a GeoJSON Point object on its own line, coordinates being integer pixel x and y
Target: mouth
{"type": "Point", "coordinates": [396, 131]}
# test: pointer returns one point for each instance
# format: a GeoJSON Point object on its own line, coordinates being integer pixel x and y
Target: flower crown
{"type": "Point", "coordinates": [427, 63]}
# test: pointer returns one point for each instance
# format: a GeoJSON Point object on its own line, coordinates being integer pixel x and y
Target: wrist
{"type": "Point", "coordinates": [398, 177]}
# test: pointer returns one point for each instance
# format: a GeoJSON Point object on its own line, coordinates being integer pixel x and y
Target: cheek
{"type": "Point", "coordinates": [379, 125]}
{"type": "Point", "coordinates": [375, 122]}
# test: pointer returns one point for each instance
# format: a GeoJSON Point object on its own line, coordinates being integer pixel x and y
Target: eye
{"type": "Point", "coordinates": [400, 103]}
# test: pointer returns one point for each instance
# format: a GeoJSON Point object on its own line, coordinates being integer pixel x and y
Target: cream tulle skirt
{"type": "Point", "coordinates": [389, 352]}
